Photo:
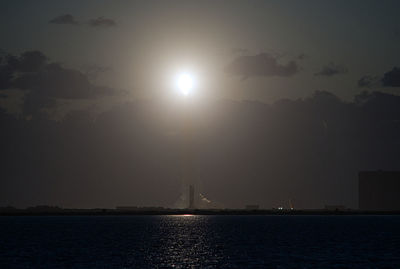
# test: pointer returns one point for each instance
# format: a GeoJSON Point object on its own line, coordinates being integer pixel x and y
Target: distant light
{"type": "Point", "coordinates": [280, 208]}
{"type": "Point", "coordinates": [185, 83]}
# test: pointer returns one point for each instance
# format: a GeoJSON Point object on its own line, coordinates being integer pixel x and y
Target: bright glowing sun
{"type": "Point", "coordinates": [185, 83]}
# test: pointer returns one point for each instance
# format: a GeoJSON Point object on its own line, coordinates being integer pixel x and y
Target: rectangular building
{"type": "Point", "coordinates": [335, 207]}
{"type": "Point", "coordinates": [252, 207]}
{"type": "Point", "coordinates": [379, 190]}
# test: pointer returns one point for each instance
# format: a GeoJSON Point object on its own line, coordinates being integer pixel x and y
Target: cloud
{"type": "Point", "coordinates": [44, 82]}
{"type": "Point", "coordinates": [369, 81]}
{"type": "Point", "coordinates": [57, 82]}
{"type": "Point", "coordinates": [70, 19]}
{"type": "Point", "coordinates": [92, 71]}
{"type": "Point", "coordinates": [262, 64]}
{"type": "Point", "coordinates": [331, 69]}
{"type": "Point", "coordinates": [64, 19]}
{"type": "Point", "coordinates": [12, 66]}
{"type": "Point", "coordinates": [302, 56]}
{"type": "Point", "coordinates": [102, 22]}
{"type": "Point", "coordinates": [6, 74]}
{"type": "Point", "coordinates": [392, 78]}
{"type": "Point", "coordinates": [31, 61]}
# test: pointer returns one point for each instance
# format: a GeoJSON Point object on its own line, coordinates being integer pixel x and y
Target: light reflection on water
{"type": "Point", "coordinates": [184, 241]}
{"type": "Point", "coordinates": [199, 241]}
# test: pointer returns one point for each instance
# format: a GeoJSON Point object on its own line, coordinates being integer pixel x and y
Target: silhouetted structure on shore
{"type": "Point", "coordinates": [335, 207]}
{"type": "Point", "coordinates": [252, 207]}
{"type": "Point", "coordinates": [379, 190]}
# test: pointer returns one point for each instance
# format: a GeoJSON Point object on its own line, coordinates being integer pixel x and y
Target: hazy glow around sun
{"type": "Point", "coordinates": [185, 83]}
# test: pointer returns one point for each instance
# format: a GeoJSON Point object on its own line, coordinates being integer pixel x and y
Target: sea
{"type": "Point", "coordinates": [196, 241]}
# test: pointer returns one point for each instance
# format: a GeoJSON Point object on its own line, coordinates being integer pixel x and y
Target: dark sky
{"type": "Point", "coordinates": [292, 99]}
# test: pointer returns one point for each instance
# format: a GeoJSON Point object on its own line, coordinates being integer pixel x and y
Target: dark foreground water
{"type": "Point", "coordinates": [200, 242]}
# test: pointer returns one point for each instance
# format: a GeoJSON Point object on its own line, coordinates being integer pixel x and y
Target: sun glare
{"type": "Point", "coordinates": [185, 83]}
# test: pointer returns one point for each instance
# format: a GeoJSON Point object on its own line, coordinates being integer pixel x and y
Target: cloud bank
{"type": "Point", "coordinates": [102, 22]}
{"type": "Point", "coordinates": [392, 78]}
{"type": "Point", "coordinates": [64, 19]}
{"type": "Point", "coordinates": [309, 150]}
{"type": "Point", "coordinates": [45, 81]}
{"type": "Point", "coordinates": [68, 19]}
{"type": "Point", "coordinates": [389, 79]}
{"type": "Point", "coordinates": [332, 69]}
{"type": "Point", "coordinates": [369, 81]}
{"type": "Point", "coordinates": [262, 64]}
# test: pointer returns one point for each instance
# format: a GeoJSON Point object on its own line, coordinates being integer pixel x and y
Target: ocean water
{"type": "Point", "coordinates": [200, 242]}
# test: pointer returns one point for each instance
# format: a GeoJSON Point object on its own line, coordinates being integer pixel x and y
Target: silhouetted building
{"type": "Point", "coordinates": [335, 207]}
{"type": "Point", "coordinates": [191, 196]}
{"type": "Point", "coordinates": [142, 208]}
{"type": "Point", "coordinates": [126, 208]}
{"type": "Point", "coordinates": [379, 190]}
{"type": "Point", "coordinates": [8, 209]}
{"type": "Point", "coordinates": [252, 207]}
{"type": "Point", "coordinates": [44, 209]}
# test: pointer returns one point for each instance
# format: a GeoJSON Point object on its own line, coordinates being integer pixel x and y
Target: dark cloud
{"type": "Point", "coordinates": [6, 74]}
{"type": "Point", "coordinates": [302, 56]}
{"type": "Point", "coordinates": [35, 102]}
{"type": "Point", "coordinates": [262, 64]}
{"type": "Point", "coordinates": [31, 71]}
{"type": "Point", "coordinates": [92, 71]}
{"type": "Point", "coordinates": [31, 61]}
{"type": "Point", "coordinates": [56, 82]}
{"type": "Point", "coordinates": [64, 19]}
{"type": "Point", "coordinates": [102, 22]}
{"type": "Point", "coordinates": [369, 81]}
{"type": "Point", "coordinates": [45, 82]}
{"type": "Point", "coordinates": [392, 78]}
{"type": "Point", "coordinates": [69, 19]}
{"type": "Point", "coordinates": [11, 66]}
{"type": "Point", "coordinates": [332, 69]}
{"type": "Point", "coordinates": [389, 79]}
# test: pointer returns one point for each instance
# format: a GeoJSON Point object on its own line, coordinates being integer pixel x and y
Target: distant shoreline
{"type": "Point", "coordinates": [227, 212]}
